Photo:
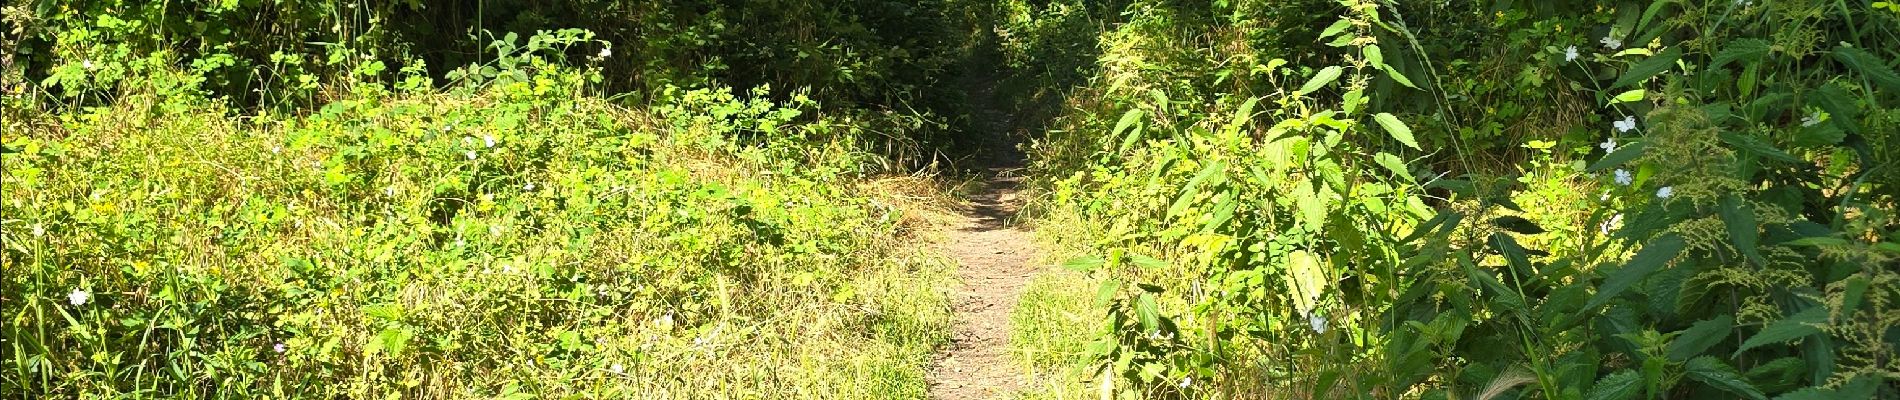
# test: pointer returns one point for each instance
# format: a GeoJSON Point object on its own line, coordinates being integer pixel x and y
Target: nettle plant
{"type": "Point", "coordinates": [1291, 229]}
{"type": "Point", "coordinates": [1741, 176]}
{"type": "Point", "coordinates": [1743, 248]}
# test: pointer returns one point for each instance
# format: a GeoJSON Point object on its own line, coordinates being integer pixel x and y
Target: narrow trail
{"type": "Point", "coordinates": [993, 256]}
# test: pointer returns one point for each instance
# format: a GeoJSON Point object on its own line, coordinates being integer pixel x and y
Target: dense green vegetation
{"type": "Point", "coordinates": [728, 199]}
{"type": "Point", "coordinates": [1369, 199]}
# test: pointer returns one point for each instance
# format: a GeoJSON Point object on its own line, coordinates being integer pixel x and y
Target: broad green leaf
{"type": "Point", "coordinates": [1869, 66]}
{"type": "Point", "coordinates": [1718, 374]}
{"type": "Point", "coordinates": [1335, 28]}
{"type": "Point", "coordinates": [1397, 128]}
{"type": "Point", "coordinates": [1787, 329]}
{"type": "Point", "coordinates": [1517, 224]}
{"type": "Point", "coordinates": [1621, 385]}
{"type": "Point", "coordinates": [1842, 107]}
{"type": "Point", "coordinates": [1308, 280]}
{"type": "Point", "coordinates": [1513, 253]}
{"type": "Point", "coordinates": [1700, 337]}
{"type": "Point", "coordinates": [1147, 262]}
{"type": "Point", "coordinates": [1400, 77]}
{"type": "Point", "coordinates": [1128, 120]}
{"type": "Point", "coordinates": [1241, 116]}
{"type": "Point", "coordinates": [1651, 258]}
{"type": "Point", "coordinates": [1855, 291]}
{"type": "Point", "coordinates": [1629, 96]}
{"type": "Point", "coordinates": [1392, 164]}
{"type": "Point", "coordinates": [1777, 376]}
{"type": "Point", "coordinates": [1325, 76]}
{"type": "Point", "coordinates": [1618, 157]}
{"type": "Point", "coordinates": [1743, 235]}
{"type": "Point", "coordinates": [1756, 145]}
{"type": "Point", "coordinates": [1084, 264]}
{"type": "Point", "coordinates": [1862, 387]}
{"type": "Point", "coordinates": [1193, 187]}
{"type": "Point", "coordinates": [1374, 56]}
{"type": "Point", "coordinates": [1649, 67]}
{"type": "Point", "coordinates": [1748, 50]}
{"type": "Point", "coordinates": [1148, 312]}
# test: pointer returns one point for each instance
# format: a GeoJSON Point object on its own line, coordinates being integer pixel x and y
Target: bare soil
{"type": "Point", "coordinates": [994, 256]}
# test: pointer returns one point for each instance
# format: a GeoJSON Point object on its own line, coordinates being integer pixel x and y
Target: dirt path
{"type": "Point", "coordinates": [993, 265]}
{"type": "Point", "coordinates": [993, 256]}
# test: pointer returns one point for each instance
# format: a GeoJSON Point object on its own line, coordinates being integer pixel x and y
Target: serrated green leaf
{"type": "Point", "coordinates": [1787, 329]}
{"type": "Point", "coordinates": [1652, 257]}
{"type": "Point", "coordinates": [1743, 235]}
{"type": "Point", "coordinates": [1718, 374]}
{"type": "Point", "coordinates": [1325, 76]}
{"type": "Point", "coordinates": [1700, 337]}
{"type": "Point", "coordinates": [1750, 50]}
{"type": "Point", "coordinates": [1777, 376]}
{"type": "Point", "coordinates": [1618, 157]}
{"type": "Point", "coordinates": [1307, 278]}
{"type": "Point", "coordinates": [1869, 66]}
{"type": "Point", "coordinates": [1397, 128]}
{"type": "Point", "coordinates": [1648, 68]}
{"type": "Point", "coordinates": [1374, 56]}
{"type": "Point", "coordinates": [1148, 312]}
{"type": "Point", "coordinates": [1621, 385]}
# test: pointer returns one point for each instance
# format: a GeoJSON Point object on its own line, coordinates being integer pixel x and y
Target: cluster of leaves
{"type": "Point", "coordinates": [1705, 209]}
{"type": "Point", "coordinates": [513, 237]}
{"type": "Point", "coordinates": [304, 53]}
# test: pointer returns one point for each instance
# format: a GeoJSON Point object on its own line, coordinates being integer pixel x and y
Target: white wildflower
{"type": "Point", "coordinates": [78, 297]}
{"type": "Point", "coordinates": [280, 348]}
{"type": "Point", "coordinates": [617, 368]}
{"type": "Point", "coordinates": [1570, 53]}
{"type": "Point", "coordinates": [87, 64]}
{"type": "Point", "coordinates": [1604, 197]}
{"type": "Point", "coordinates": [1611, 42]}
{"type": "Point", "coordinates": [488, 140]}
{"type": "Point", "coordinates": [1665, 192]}
{"type": "Point", "coordinates": [277, 149]}
{"type": "Point", "coordinates": [1615, 221]}
{"type": "Point", "coordinates": [528, 186]}
{"type": "Point", "coordinates": [39, 230]}
{"type": "Point", "coordinates": [1608, 145]}
{"type": "Point", "coordinates": [1623, 177]}
{"type": "Point", "coordinates": [1185, 381]}
{"type": "Point", "coordinates": [1625, 125]}
{"type": "Point", "coordinates": [605, 52]}
{"type": "Point", "coordinates": [470, 154]}
{"type": "Point", "coordinates": [446, 128]}
{"type": "Point", "coordinates": [1319, 323]}
{"type": "Point", "coordinates": [1811, 120]}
